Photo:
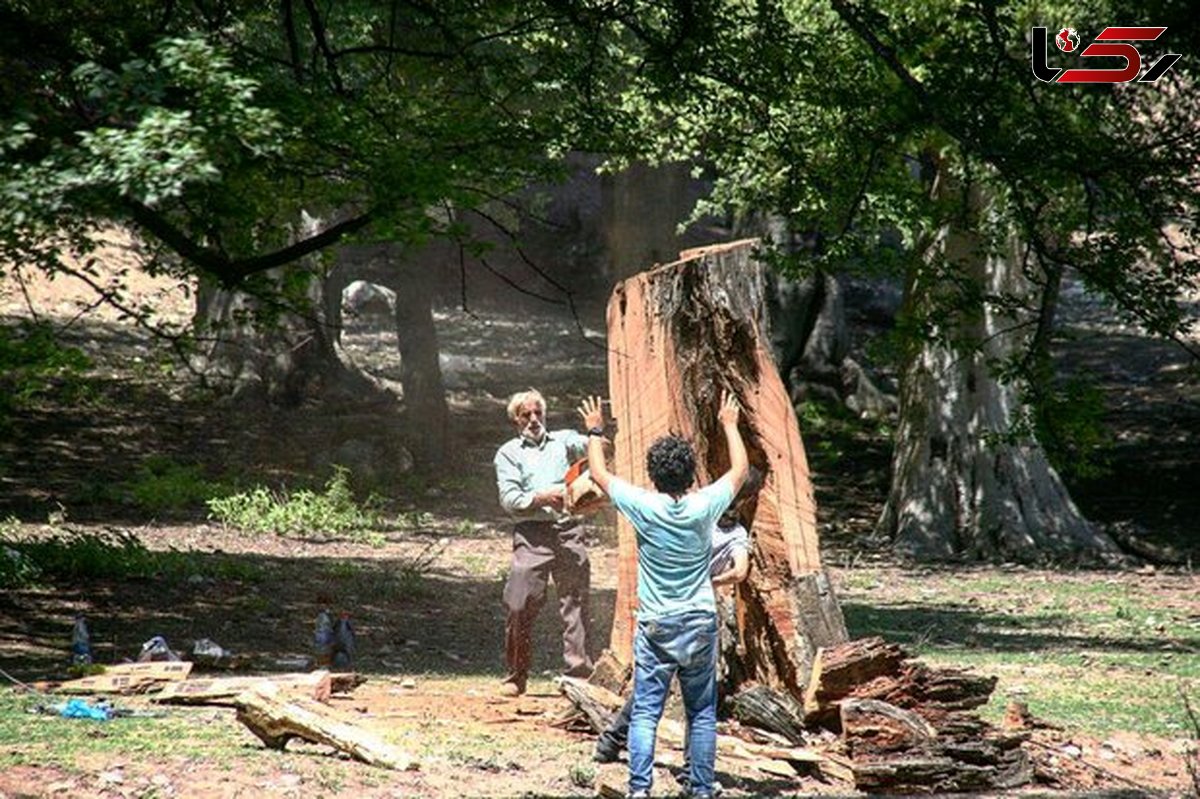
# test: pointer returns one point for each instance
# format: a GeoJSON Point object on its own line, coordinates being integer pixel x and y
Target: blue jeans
{"type": "Point", "coordinates": [685, 644]}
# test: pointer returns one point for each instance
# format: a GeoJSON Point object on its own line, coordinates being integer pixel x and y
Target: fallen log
{"type": "Point", "coordinates": [275, 720]}
{"type": "Point", "coordinates": [316, 685]}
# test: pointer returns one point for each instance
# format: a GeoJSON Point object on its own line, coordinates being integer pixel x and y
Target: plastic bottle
{"type": "Point", "coordinates": [81, 643]}
{"type": "Point", "coordinates": [343, 643]}
{"type": "Point", "coordinates": [323, 639]}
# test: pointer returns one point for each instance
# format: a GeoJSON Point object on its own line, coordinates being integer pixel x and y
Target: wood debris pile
{"type": "Point", "coordinates": [276, 708]}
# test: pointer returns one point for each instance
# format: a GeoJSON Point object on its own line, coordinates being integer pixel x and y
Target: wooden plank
{"type": "Point", "coordinates": [316, 685]}
{"type": "Point", "coordinates": [124, 678]}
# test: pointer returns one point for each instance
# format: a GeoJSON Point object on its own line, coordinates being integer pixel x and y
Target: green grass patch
{"type": "Point", "coordinates": [50, 740]}
{"type": "Point", "coordinates": [1097, 652]}
{"type": "Point", "coordinates": [303, 513]}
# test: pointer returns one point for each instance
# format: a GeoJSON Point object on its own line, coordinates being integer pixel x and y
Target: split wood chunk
{"type": "Point", "coordinates": [762, 707]}
{"type": "Point", "coordinates": [838, 671]}
{"type": "Point", "coordinates": [276, 720]}
{"type": "Point", "coordinates": [610, 672]}
{"type": "Point", "coordinates": [882, 727]}
{"type": "Point", "coordinates": [678, 336]}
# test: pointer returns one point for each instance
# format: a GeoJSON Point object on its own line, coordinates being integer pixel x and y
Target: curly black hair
{"type": "Point", "coordinates": [671, 463]}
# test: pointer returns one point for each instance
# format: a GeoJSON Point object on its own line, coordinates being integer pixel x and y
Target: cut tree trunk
{"type": "Point", "coordinates": [963, 484]}
{"type": "Point", "coordinates": [678, 335]}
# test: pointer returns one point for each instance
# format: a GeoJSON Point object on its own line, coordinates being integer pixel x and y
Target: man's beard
{"type": "Point", "coordinates": [528, 433]}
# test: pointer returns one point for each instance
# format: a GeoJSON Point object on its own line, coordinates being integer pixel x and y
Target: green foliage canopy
{"type": "Point", "coordinates": [212, 125]}
{"type": "Point", "coordinates": [840, 114]}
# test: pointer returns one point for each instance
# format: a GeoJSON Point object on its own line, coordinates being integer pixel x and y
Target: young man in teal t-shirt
{"type": "Point", "coordinates": [677, 616]}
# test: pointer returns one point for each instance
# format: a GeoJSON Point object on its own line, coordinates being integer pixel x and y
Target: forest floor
{"type": "Point", "coordinates": [425, 595]}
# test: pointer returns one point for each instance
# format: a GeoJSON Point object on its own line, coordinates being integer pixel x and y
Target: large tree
{"type": "Point", "coordinates": [219, 130]}
{"type": "Point", "coordinates": [915, 137]}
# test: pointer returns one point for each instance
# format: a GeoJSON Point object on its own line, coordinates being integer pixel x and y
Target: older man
{"type": "Point", "coordinates": [547, 539]}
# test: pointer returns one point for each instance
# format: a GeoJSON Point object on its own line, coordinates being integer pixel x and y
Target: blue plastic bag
{"type": "Point", "coordinates": [80, 709]}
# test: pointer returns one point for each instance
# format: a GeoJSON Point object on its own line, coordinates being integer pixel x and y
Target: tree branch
{"type": "Point", "coordinates": [229, 272]}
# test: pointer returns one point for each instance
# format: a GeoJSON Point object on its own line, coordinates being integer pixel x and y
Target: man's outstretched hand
{"type": "Point", "coordinates": [592, 413]}
{"type": "Point", "coordinates": [730, 409]}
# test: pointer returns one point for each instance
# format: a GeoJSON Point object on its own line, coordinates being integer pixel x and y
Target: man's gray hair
{"type": "Point", "coordinates": [520, 398]}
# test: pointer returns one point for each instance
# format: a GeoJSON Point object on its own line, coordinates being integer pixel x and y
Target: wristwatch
{"type": "Point", "coordinates": [596, 431]}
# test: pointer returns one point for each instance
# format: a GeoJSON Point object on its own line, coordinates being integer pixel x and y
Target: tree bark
{"type": "Point", "coordinates": [281, 354]}
{"type": "Point", "coordinates": [426, 411]}
{"type": "Point", "coordinates": [965, 482]}
{"type": "Point", "coordinates": [678, 336]}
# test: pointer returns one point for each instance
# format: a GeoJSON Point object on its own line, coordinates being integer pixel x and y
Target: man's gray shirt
{"type": "Point", "coordinates": [524, 468]}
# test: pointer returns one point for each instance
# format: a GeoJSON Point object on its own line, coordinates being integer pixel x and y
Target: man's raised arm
{"type": "Point", "coordinates": [739, 462]}
{"type": "Point", "coordinates": [593, 420]}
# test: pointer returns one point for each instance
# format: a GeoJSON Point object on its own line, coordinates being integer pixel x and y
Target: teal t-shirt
{"type": "Point", "coordinates": [674, 545]}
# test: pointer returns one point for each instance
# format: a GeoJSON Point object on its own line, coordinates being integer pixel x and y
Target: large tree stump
{"type": "Point", "coordinates": [678, 335]}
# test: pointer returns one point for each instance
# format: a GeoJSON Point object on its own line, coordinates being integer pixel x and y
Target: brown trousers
{"type": "Point", "coordinates": [542, 551]}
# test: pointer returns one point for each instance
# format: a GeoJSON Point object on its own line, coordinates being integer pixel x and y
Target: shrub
{"type": "Point", "coordinates": [161, 485]}
{"type": "Point", "coordinates": [31, 362]}
{"type": "Point", "coordinates": [301, 513]}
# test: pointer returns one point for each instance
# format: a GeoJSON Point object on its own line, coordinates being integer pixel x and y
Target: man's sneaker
{"type": "Point", "coordinates": [638, 795]}
{"type": "Point", "coordinates": [606, 752]}
{"type": "Point", "coordinates": [683, 780]}
{"type": "Point", "coordinates": [716, 792]}
{"type": "Point", "coordinates": [512, 688]}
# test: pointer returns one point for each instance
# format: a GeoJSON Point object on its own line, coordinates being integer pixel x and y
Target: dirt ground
{"type": "Point", "coordinates": [426, 602]}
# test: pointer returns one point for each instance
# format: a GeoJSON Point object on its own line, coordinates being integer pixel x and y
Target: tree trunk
{"type": "Point", "coordinates": [678, 335]}
{"type": "Point", "coordinates": [809, 336]}
{"type": "Point", "coordinates": [261, 349]}
{"type": "Point", "coordinates": [964, 482]}
{"type": "Point", "coordinates": [426, 411]}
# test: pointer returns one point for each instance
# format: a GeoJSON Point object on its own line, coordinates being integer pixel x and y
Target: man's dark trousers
{"type": "Point", "coordinates": [544, 550]}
